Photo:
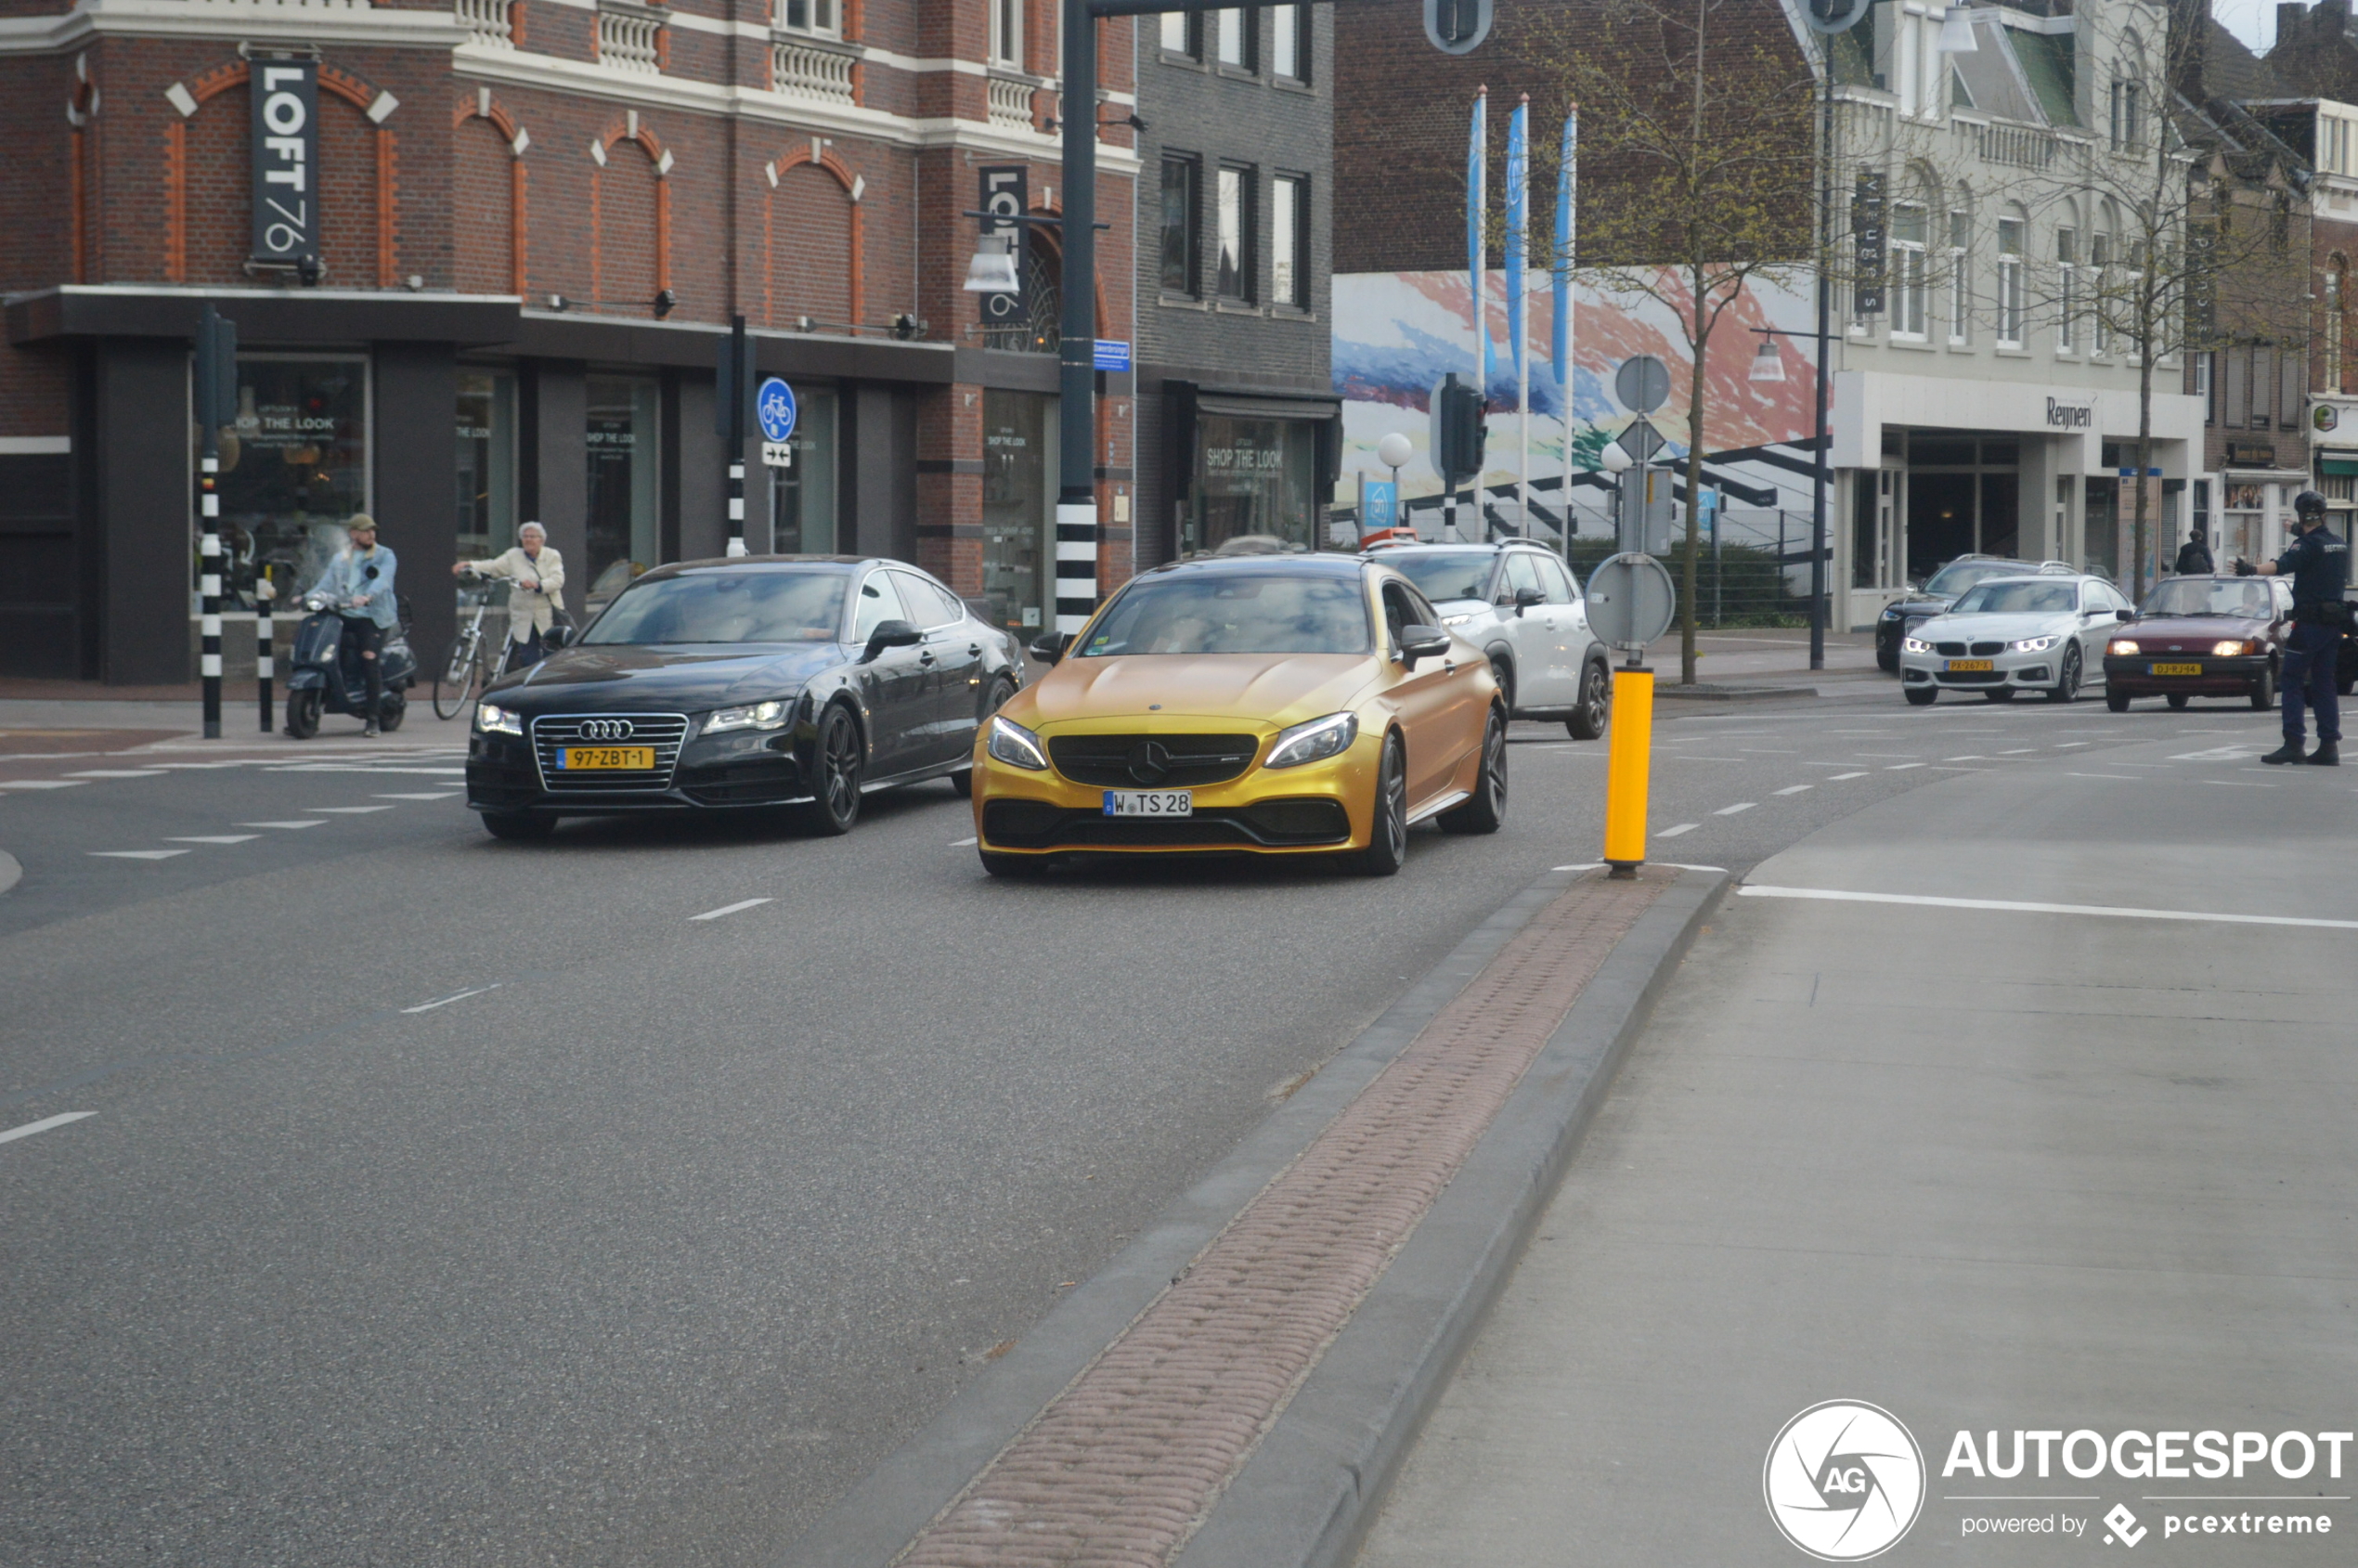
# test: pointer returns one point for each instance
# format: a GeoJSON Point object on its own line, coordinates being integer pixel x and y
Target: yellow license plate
{"type": "Point", "coordinates": [638, 759]}
{"type": "Point", "coordinates": [1966, 666]}
{"type": "Point", "coordinates": [2177, 670]}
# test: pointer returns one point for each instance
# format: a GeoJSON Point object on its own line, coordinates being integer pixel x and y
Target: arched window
{"type": "Point", "coordinates": [2103, 252]}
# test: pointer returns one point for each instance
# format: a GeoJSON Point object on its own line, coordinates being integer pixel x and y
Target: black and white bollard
{"type": "Point", "coordinates": [737, 503]}
{"type": "Point", "coordinates": [263, 594]}
{"type": "Point", "coordinates": [209, 585]}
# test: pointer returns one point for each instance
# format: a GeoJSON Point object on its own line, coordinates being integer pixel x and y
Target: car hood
{"type": "Point", "coordinates": [1264, 688]}
{"type": "Point", "coordinates": [1915, 604]}
{"type": "Point", "coordinates": [2192, 629]}
{"type": "Point", "coordinates": [1460, 606]}
{"type": "Point", "coordinates": [2008, 627]}
{"type": "Point", "coordinates": [677, 678]}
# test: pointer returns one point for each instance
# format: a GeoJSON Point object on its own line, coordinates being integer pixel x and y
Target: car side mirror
{"type": "Point", "coordinates": [891, 634]}
{"type": "Point", "coordinates": [556, 637]}
{"type": "Point", "coordinates": [1421, 643]}
{"type": "Point", "coordinates": [1526, 597]}
{"type": "Point", "coordinates": [1049, 646]}
{"type": "Point", "coordinates": [2125, 614]}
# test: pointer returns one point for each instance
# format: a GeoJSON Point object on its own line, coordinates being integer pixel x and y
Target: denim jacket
{"type": "Point", "coordinates": [347, 577]}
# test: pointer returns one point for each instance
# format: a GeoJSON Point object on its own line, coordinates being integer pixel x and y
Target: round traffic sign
{"type": "Point", "coordinates": [1631, 600]}
{"type": "Point", "coordinates": [774, 407]}
{"type": "Point", "coordinates": [1643, 383]}
{"type": "Point", "coordinates": [1834, 16]}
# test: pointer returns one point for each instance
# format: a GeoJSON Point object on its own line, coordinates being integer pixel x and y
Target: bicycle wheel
{"type": "Point", "coordinates": [455, 686]}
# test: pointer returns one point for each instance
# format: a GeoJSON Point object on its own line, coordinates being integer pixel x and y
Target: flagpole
{"type": "Point", "coordinates": [1567, 302]}
{"type": "Point", "coordinates": [1477, 249]}
{"type": "Point", "coordinates": [1519, 285]}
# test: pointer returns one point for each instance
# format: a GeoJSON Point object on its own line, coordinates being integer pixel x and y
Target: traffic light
{"type": "Point", "coordinates": [217, 371]}
{"type": "Point", "coordinates": [1457, 27]}
{"type": "Point", "coordinates": [1463, 434]}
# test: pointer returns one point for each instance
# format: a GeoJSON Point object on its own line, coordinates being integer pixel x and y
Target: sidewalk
{"type": "Point", "coordinates": [1995, 1171]}
{"type": "Point", "coordinates": [79, 718]}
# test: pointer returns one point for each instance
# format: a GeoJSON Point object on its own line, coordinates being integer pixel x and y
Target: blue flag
{"type": "Point", "coordinates": [1477, 211]}
{"type": "Point", "coordinates": [1517, 217]}
{"type": "Point", "coordinates": [1565, 188]}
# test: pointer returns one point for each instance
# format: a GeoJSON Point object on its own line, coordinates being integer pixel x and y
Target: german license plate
{"type": "Point", "coordinates": [1968, 667]}
{"type": "Point", "coordinates": [633, 758]}
{"type": "Point", "coordinates": [1150, 803]}
{"type": "Point", "coordinates": [2177, 670]}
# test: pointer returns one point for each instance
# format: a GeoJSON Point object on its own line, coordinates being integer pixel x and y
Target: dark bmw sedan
{"type": "Point", "coordinates": [2201, 637]}
{"type": "Point", "coordinates": [764, 681]}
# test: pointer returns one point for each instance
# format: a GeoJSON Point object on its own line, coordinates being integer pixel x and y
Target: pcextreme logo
{"type": "Point", "coordinates": [1843, 1481]}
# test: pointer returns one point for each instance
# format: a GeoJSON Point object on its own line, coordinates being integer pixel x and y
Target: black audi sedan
{"type": "Point", "coordinates": [761, 680]}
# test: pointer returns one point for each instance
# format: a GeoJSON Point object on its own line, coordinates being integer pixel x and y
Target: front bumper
{"type": "Point", "coordinates": [2133, 673]}
{"type": "Point", "coordinates": [1316, 808]}
{"type": "Point", "coordinates": [734, 770]}
{"type": "Point", "coordinates": [2037, 671]}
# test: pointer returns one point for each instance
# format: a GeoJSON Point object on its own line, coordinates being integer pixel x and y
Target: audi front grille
{"type": "Point", "coordinates": [664, 732]}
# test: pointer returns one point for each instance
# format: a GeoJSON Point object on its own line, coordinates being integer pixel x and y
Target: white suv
{"type": "Point", "coordinates": [1520, 605]}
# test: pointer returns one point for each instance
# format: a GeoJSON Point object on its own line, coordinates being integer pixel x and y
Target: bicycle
{"type": "Point", "coordinates": [475, 664]}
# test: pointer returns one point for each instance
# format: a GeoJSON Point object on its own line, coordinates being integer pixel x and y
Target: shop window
{"type": "Point", "coordinates": [1289, 241]}
{"type": "Point", "coordinates": [802, 493]}
{"type": "Point", "coordinates": [1179, 178]}
{"type": "Point", "coordinates": [1018, 466]}
{"type": "Point", "coordinates": [624, 460]}
{"type": "Point", "coordinates": [1289, 42]}
{"type": "Point", "coordinates": [1235, 218]}
{"type": "Point", "coordinates": [487, 521]}
{"type": "Point", "coordinates": [293, 466]}
{"type": "Point", "coordinates": [1253, 476]}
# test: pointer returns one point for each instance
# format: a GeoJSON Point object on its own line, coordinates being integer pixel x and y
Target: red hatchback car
{"type": "Point", "coordinates": [2201, 637]}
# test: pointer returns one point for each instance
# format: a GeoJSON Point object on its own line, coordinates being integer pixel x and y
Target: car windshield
{"type": "Point", "coordinates": [2019, 598]}
{"type": "Point", "coordinates": [2209, 596]}
{"type": "Point", "coordinates": [1445, 574]}
{"type": "Point", "coordinates": [726, 607]}
{"type": "Point", "coordinates": [1234, 613]}
{"type": "Point", "coordinates": [1959, 575]}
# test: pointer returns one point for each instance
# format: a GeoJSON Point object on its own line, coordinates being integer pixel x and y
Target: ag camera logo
{"type": "Point", "coordinates": [1843, 1481]}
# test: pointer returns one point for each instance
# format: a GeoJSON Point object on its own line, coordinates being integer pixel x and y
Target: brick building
{"type": "Point", "coordinates": [533, 220]}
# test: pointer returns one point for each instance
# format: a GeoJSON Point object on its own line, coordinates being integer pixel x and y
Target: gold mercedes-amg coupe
{"type": "Point", "coordinates": [1289, 704]}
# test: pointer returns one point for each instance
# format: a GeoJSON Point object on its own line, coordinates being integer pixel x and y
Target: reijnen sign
{"type": "Point", "coordinates": [286, 161]}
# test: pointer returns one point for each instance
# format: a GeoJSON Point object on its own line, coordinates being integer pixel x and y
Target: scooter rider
{"type": "Point", "coordinates": [2319, 565]}
{"type": "Point", "coordinates": [358, 587]}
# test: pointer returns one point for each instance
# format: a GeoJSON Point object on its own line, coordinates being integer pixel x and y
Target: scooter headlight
{"type": "Point", "coordinates": [491, 719]}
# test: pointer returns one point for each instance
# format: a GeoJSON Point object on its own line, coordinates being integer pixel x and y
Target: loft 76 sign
{"type": "Point", "coordinates": [286, 159]}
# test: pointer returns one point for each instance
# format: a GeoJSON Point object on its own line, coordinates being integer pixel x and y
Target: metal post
{"type": "Point", "coordinates": [1825, 311]}
{"type": "Point", "coordinates": [739, 379]}
{"type": "Point", "coordinates": [1077, 345]}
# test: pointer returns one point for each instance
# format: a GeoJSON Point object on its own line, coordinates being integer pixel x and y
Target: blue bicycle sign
{"type": "Point", "coordinates": [774, 407]}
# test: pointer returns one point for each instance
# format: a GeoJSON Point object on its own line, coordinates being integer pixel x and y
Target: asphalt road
{"type": "Point", "coordinates": [450, 1201]}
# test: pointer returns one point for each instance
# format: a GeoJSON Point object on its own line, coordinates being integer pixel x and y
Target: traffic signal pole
{"type": "Point", "coordinates": [1077, 582]}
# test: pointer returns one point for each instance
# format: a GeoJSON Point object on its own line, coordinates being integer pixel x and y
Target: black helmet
{"type": "Point", "coordinates": [2309, 503]}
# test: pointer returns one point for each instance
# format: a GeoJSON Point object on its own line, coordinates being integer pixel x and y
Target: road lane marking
{"type": "Point", "coordinates": [428, 794]}
{"type": "Point", "coordinates": [45, 1124]}
{"type": "Point", "coordinates": [960, 843]}
{"type": "Point", "coordinates": [1969, 756]}
{"type": "Point", "coordinates": [42, 784]}
{"type": "Point", "coordinates": [1839, 777]}
{"type": "Point", "coordinates": [1902, 767]}
{"type": "Point", "coordinates": [1884, 756]}
{"type": "Point", "coordinates": [291, 826]}
{"type": "Point", "coordinates": [2237, 784]}
{"type": "Point", "coordinates": [728, 909]}
{"type": "Point", "coordinates": [2243, 753]}
{"type": "Point", "coordinates": [1672, 832]}
{"type": "Point", "coordinates": [1765, 750]}
{"type": "Point", "coordinates": [2125, 778]}
{"type": "Point", "coordinates": [1738, 805]}
{"type": "Point", "coordinates": [136, 854]}
{"type": "Point", "coordinates": [212, 838]}
{"type": "Point", "coordinates": [2020, 906]}
{"type": "Point", "coordinates": [1956, 767]}
{"type": "Point", "coordinates": [2019, 751]}
{"type": "Point", "coordinates": [1795, 789]}
{"type": "Point", "coordinates": [461, 996]}
{"type": "Point", "coordinates": [348, 810]}
{"type": "Point", "coordinates": [2066, 746]}
{"type": "Point", "coordinates": [117, 773]}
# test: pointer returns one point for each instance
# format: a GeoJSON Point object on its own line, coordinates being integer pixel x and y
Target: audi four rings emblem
{"type": "Point", "coordinates": [607, 729]}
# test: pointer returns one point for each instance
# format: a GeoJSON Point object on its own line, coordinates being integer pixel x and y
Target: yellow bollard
{"type": "Point", "coordinates": [1630, 753]}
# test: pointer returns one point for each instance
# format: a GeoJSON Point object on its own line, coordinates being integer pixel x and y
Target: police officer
{"type": "Point", "coordinates": [2319, 567]}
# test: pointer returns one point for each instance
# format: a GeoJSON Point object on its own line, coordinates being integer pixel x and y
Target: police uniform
{"type": "Point", "coordinates": [2318, 564]}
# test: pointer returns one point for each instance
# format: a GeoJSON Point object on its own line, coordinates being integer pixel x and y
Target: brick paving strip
{"type": "Point", "coordinates": [1123, 1465]}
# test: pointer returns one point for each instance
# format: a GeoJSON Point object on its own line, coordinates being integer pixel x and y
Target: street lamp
{"type": "Point", "coordinates": [1768, 365]}
{"type": "Point", "coordinates": [1616, 461]}
{"type": "Point", "coordinates": [993, 270]}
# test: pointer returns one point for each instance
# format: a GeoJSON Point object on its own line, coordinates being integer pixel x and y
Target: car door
{"type": "Point", "coordinates": [1579, 638]}
{"type": "Point", "coordinates": [2097, 621]}
{"type": "Point", "coordinates": [1427, 698]}
{"type": "Point", "coordinates": [952, 654]}
{"type": "Point", "coordinates": [1533, 632]}
{"type": "Point", "coordinates": [895, 685]}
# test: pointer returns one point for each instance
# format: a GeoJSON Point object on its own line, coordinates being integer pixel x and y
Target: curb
{"type": "Point", "coordinates": [1703, 691]}
{"type": "Point", "coordinates": [871, 1523]}
{"type": "Point", "coordinates": [1307, 1495]}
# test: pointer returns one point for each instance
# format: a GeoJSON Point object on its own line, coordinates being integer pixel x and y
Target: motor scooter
{"type": "Point", "coordinates": [323, 682]}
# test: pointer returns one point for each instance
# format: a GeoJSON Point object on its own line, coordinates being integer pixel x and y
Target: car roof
{"type": "Point", "coordinates": [1496, 547]}
{"type": "Point", "coordinates": [1320, 563]}
{"type": "Point", "coordinates": [764, 563]}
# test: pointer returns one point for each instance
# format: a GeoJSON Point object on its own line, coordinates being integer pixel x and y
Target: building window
{"type": "Point", "coordinates": [1909, 221]}
{"type": "Point", "coordinates": [802, 493]}
{"type": "Point", "coordinates": [2334, 276]}
{"type": "Point", "coordinates": [2206, 387]}
{"type": "Point", "coordinates": [298, 468]}
{"type": "Point", "coordinates": [1959, 278]}
{"type": "Point", "coordinates": [1182, 36]}
{"type": "Point", "coordinates": [1006, 33]}
{"type": "Point", "coordinates": [2066, 291]}
{"type": "Point", "coordinates": [1233, 31]}
{"type": "Point", "coordinates": [1289, 42]}
{"type": "Point", "coordinates": [1236, 234]}
{"type": "Point", "coordinates": [1178, 224]}
{"type": "Point", "coordinates": [809, 16]}
{"type": "Point", "coordinates": [2010, 244]}
{"type": "Point", "coordinates": [1289, 241]}
{"type": "Point", "coordinates": [487, 462]}
{"type": "Point", "coordinates": [2099, 258]}
{"type": "Point", "coordinates": [624, 452]}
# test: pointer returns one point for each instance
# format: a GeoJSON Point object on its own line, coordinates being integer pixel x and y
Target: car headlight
{"type": "Point", "coordinates": [1915, 644]}
{"type": "Point", "coordinates": [1017, 746]}
{"type": "Point", "coordinates": [2035, 645]}
{"type": "Point", "coordinates": [2230, 650]}
{"type": "Point", "coordinates": [772, 714]}
{"type": "Point", "coordinates": [492, 718]}
{"type": "Point", "coordinates": [1456, 620]}
{"type": "Point", "coordinates": [2121, 645]}
{"type": "Point", "coordinates": [1314, 740]}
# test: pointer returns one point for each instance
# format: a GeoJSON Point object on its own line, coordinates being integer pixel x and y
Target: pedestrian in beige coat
{"type": "Point", "coordinates": [535, 595]}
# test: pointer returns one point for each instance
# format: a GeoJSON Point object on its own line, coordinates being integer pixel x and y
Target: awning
{"type": "Point", "coordinates": [2347, 465]}
{"type": "Point", "coordinates": [1265, 405]}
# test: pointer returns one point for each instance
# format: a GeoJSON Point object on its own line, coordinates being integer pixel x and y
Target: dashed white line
{"type": "Point", "coordinates": [1795, 789]}
{"type": "Point", "coordinates": [2066, 746]}
{"type": "Point", "coordinates": [2237, 783]}
{"type": "Point", "coordinates": [461, 996]}
{"type": "Point", "coordinates": [962, 843]}
{"type": "Point", "coordinates": [136, 854]}
{"type": "Point", "coordinates": [2125, 778]}
{"type": "Point", "coordinates": [1674, 832]}
{"type": "Point", "coordinates": [44, 1125]}
{"type": "Point", "coordinates": [428, 794]}
{"type": "Point", "coordinates": [1902, 767]}
{"type": "Point", "coordinates": [1839, 777]}
{"type": "Point", "coordinates": [212, 838]}
{"type": "Point", "coordinates": [2019, 751]}
{"type": "Point", "coordinates": [1969, 756]}
{"type": "Point", "coordinates": [728, 909]}
{"type": "Point", "coordinates": [289, 826]}
{"type": "Point", "coordinates": [348, 810]}
{"type": "Point", "coordinates": [42, 784]}
{"type": "Point", "coordinates": [2024, 907]}
{"type": "Point", "coordinates": [117, 773]}
{"type": "Point", "coordinates": [1738, 805]}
